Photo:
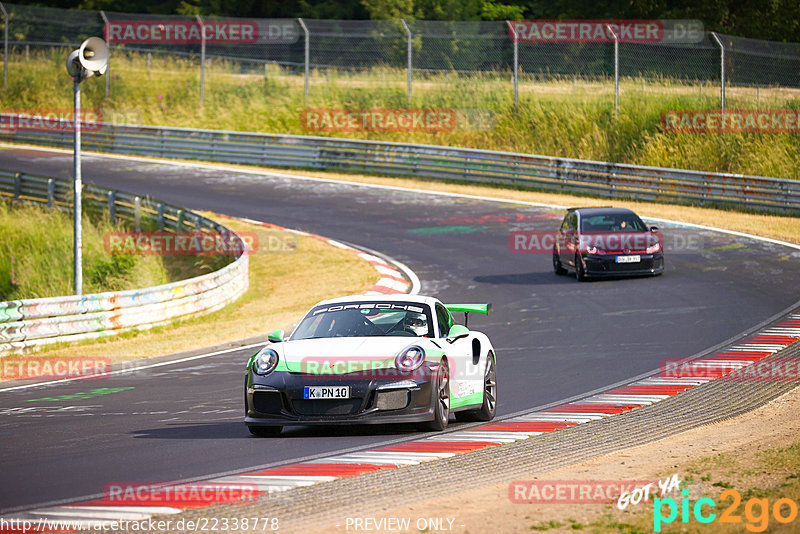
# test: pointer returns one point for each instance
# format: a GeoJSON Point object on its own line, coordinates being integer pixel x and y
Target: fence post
{"type": "Point", "coordinates": [160, 216]}
{"type": "Point", "coordinates": [202, 58]}
{"type": "Point", "coordinates": [106, 35]}
{"type": "Point", "coordinates": [409, 55]}
{"type": "Point", "coordinates": [137, 214]}
{"type": "Point", "coordinates": [616, 68]}
{"type": "Point", "coordinates": [515, 77]}
{"type": "Point", "coordinates": [308, 44]}
{"type": "Point", "coordinates": [112, 207]}
{"type": "Point", "coordinates": [721, 70]}
{"type": "Point", "coordinates": [17, 185]}
{"type": "Point", "coordinates": [51, 192]}
{"type": "Point", "coordinates": [5, 45]}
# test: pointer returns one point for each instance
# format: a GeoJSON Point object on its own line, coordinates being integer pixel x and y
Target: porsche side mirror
{"type": "Point", "coordinates": [275, 336]}
{"type": "Point", "coordinates": [457, 331]}
{"type": "Point", "coordinates": [654, 229]}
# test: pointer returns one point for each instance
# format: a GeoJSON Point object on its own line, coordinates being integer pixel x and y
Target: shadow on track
{"type": "Point", "coordinates": [549, 278]}
{"type": "Point", "coordinates": [526, 279]}
{"type": "Point", "coordinates": [238, 430]}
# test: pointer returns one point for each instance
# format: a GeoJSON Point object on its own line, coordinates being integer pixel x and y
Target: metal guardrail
{"type": "Point", "coordinates": [30, 323]}
{"type": "Point", "coordinates": [611, 180]}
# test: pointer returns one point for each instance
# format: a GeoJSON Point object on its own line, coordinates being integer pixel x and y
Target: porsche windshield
{"type": "Point", "coordinates": [366, 319]}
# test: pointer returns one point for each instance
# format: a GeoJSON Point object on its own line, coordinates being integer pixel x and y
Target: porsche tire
{"type": "Point", "coordinates": [441, 409]}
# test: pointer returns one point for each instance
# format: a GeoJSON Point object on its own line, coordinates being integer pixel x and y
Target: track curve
{"type": "Point", "coordinates": [555, 338]}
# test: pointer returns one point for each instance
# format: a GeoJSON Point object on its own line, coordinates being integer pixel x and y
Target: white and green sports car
{"type": "Point", "coordinates": [373, 360]}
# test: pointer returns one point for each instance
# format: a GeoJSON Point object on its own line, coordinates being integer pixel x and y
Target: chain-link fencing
{"type": "Point", "coordinates": [401, 55]}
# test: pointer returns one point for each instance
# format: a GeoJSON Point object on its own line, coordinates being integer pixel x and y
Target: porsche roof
{"type": "Point", "coordinates": [400, 297]}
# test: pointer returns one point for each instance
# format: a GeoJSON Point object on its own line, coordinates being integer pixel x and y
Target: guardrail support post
{"type": "Point", "coordinates": [202, 58]}
{"type": "Point", "coordinates": [515, 76]}
{"type": "Point", "coordinates": [51, 192]}
{"type": "Point", "coordinates": [112, 207]}
{"type": "Point", "coordinates": [307, 55]}
{"type": "Point", "coordinates": [409, 54]}
{"type": "Point", "coordinates": [17, 185]}
{"type": "Point", "coordinates": [160, 216]}
{"type": "Point", "coordinates": [137, 214]}
{"type": "Point", "coordinates": [721, 71]}
{"type": "Point", "coordinates": [616, 68]}
{"type": "Point", "coordinates": [106, 36]}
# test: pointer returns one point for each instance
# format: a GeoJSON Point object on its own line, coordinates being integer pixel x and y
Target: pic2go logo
{"type": "Point", "coordinates": [756, 511]}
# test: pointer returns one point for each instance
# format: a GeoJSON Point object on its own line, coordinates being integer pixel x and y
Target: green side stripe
{"type": "Point", "coordinates": [472, 398]}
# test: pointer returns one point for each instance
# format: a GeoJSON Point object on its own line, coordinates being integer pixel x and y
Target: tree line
{"type": "Point", "coordinates": [774, 20]}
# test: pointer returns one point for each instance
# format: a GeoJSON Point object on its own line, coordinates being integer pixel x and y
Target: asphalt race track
{"type": "Point", "coordinates": [555, 337]}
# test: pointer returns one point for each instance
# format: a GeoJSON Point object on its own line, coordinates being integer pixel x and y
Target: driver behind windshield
{"type": "Point", "coordinates": [416, 323]}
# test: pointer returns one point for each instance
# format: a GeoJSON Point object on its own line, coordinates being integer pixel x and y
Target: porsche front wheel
{"type": "Point", "coordinates": [441, 409]}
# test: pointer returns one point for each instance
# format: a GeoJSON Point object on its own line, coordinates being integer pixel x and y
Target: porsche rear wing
{"type": "Point", "coordinates": [469, 308]}
{"type": "Point", "coordinates": [477, 308]}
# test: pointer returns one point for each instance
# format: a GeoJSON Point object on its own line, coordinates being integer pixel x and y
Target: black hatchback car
{"type": "Point", "coordinates": [603, 242]}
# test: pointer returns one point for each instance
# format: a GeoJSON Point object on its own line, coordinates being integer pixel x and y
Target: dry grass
{"type": "Point", "coordinates": [563, 116]}
{"type": "Point", "coordinates": [282, 287]}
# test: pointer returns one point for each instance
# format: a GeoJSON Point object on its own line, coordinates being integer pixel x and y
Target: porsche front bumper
{"type": "Point", "coordinates": [278, 398]}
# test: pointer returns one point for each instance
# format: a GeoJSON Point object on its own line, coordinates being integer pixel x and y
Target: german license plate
{"type": "Point", "coordinates": [326, 392]}
{"type": "Point", "coordinates": [628, 259]}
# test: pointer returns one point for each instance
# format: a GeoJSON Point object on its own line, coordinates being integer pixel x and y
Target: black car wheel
{"type": "Point", "coordinates": [580, 274]}
{"type": "Point", "coordinates": [264, 431]}
{"type": "Point", "coordinates": [441, 410]}
{"type": "Point", "coordinates": [557, 267]}
{"type": "Point", "coordinates": [489, 407]}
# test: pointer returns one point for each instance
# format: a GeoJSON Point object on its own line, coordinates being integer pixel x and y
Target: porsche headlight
{"type": "Point", "coordinates": [265, 362]}
{"type": "Point", "coordinates": [410, 359]}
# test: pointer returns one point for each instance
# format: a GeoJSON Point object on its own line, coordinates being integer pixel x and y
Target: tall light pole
{"type": "Point", "coordinates": [91, 59]}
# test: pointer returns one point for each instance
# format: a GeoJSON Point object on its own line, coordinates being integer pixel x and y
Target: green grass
{"type": "Point", "coordinates": [557, 117]}
{"type": "Point", "coordinates": [36, 256]}
{"type": "Point", "coordinates": [547, 526]}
